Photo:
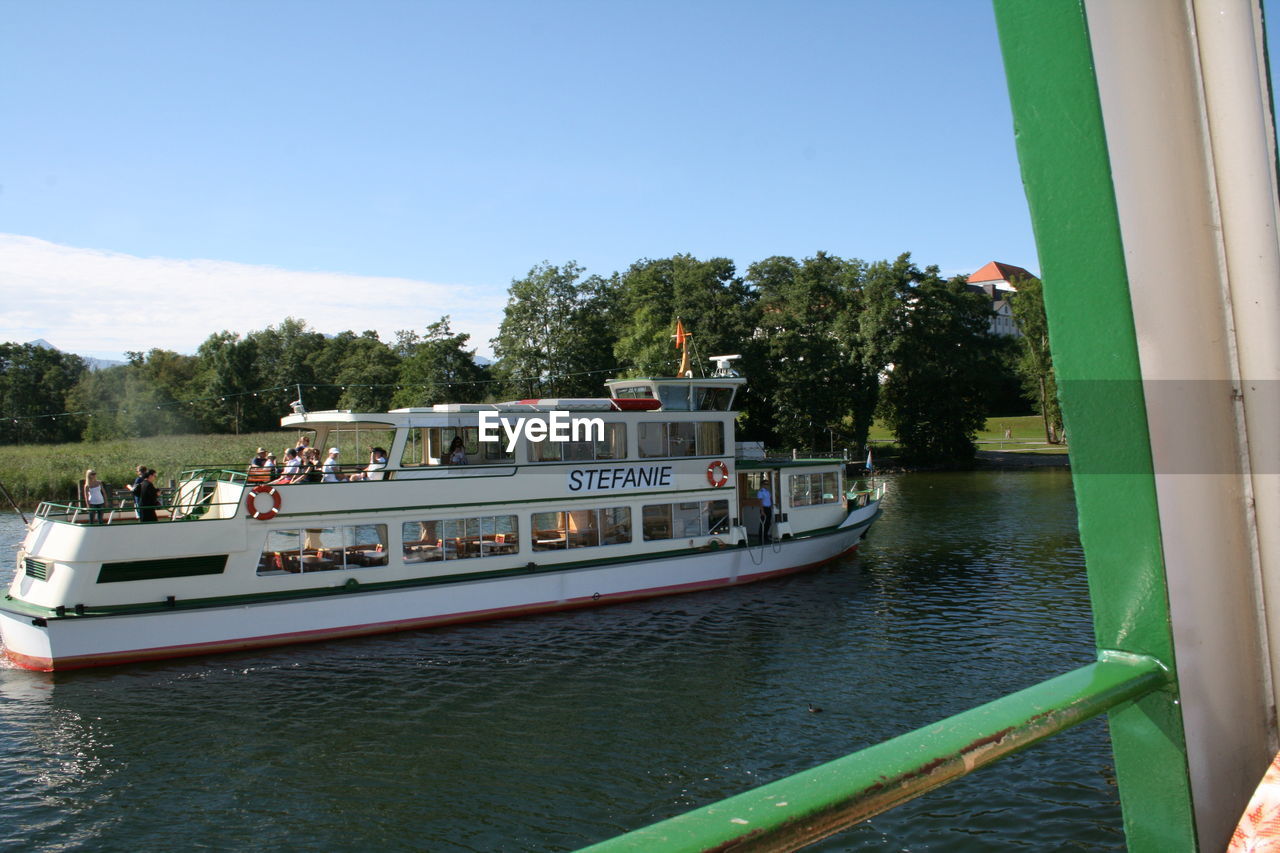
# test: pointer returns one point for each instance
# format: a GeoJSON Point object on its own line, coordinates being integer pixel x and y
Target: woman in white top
{"type": "Point", "coordinates": [95, 496]}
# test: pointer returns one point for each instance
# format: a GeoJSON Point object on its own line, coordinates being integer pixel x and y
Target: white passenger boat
{"type": "Point", "coordinates": [646, 499]}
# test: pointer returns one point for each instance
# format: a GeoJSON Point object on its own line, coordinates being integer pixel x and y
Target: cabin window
{"type": "Point", "coordinates": [581, 528]}
{"type": "Point", "coordinates": [675, 398]}
{"type": "Point", "coordinates": [712, 399]}
{"type": "Point", "coordinates": [549, 530]}
{"type": "Point", "coordinates": [415, 451]}
{"type": "Point", "coordinates": [615, 525]}
{"type": "Point", "coordinates": [430, 446]}
{"type": "Point", "coordinates": [547, 450]}
{"type": "Point", "coordinates": [633, 392]}
{"type": "Point", "coordinates": [657, 522]}
{"type": "Point", "coordinates": [814, 489]}
{"type": "Point", "coordinates": [317, 549]}
{"type": "Point", "coordinates": [686, 520]}
{"type": "Point", "coordinates": [614, 443]}
{"type": "Point", "coordinates": [681, 438]}
{"type": "Point", "coordinates": [614, 440]}
{"type": "Point", "coordinates": [459, 538]}
{"type": "Point", "coordinates": [578, 451]}
{"type": "Point", "coordinates": [717, 517]}
{"type": "Point", "coordinates": [653, 439]}
{"type": "Point", "coordinates": [710, 438]}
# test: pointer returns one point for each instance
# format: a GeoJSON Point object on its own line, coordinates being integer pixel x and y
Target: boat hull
{"type": "Point", "coordinates": [72, 642]}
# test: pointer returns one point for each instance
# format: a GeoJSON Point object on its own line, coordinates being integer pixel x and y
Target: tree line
{"type": "Point", "coordinates": [827, 343]}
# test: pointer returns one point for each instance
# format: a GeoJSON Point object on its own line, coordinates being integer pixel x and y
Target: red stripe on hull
{"type": "Point", "coordinates": [248, 643]}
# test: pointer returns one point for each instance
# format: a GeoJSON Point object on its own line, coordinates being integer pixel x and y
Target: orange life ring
{"type": "Point", "coordinates": [717, 473]}
{"type": "Point", "coordinates": [264, 489]}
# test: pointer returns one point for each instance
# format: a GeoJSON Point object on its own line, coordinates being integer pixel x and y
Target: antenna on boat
{"type": "Point", "coordinates": [296, 405]}
{"type": "Point", "coordinates": [724, 365]}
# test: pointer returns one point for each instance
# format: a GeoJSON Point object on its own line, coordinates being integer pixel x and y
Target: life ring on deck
{"type": "Point", "coordinates": [717, 473]}
{"type": "Point", "coordinates": [264, 489]}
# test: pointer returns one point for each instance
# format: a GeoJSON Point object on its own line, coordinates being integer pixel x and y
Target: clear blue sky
{"type": "Point", "coordinates": [173, 152]}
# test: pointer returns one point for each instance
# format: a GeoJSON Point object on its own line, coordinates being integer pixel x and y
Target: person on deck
{"type": "Point", "coordinates": [457, 452]}
{"type": "Point", "coordinates": [292, 465]}
{"type": "Point", "coordinates": [377, 464]}
{"type": "Point", "coordinates": [94, 494]}
{"type": "Point", "coordinates": [331, 473]}
{"type": "Point", "coordinates": [147, 497]}
{"type": "Point", "coordinates": [766, 510]}
{"type": "Point", "coordinates": [134, 486]}
{"type": "Point", "coordinates": [308, 467]}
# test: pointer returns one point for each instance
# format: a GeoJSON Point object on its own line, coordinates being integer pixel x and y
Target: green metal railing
{"type": "Point", "coordinates": [814, 804]}
{"type": "Point", "coordinates": [1066, 171]}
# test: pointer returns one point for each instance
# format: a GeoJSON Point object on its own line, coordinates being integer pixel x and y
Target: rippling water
{"type": "Point", "coordinates": [553, 732]}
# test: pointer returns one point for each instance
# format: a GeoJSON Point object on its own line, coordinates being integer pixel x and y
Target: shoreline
{"type": "Point", "coordinates": [983, 460]}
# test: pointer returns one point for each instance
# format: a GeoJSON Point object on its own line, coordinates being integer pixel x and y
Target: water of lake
{"type": "Point", "coordinates": [552, 732]}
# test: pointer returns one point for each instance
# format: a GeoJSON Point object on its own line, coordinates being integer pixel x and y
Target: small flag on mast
{"type": "Point", "coordinates": [682, 344]}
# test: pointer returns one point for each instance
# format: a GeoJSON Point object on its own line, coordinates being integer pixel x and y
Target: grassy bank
{"type": "Point", "coordinates": [37, 472]}
{"type": "Point", "coordinates": [1026, 432]}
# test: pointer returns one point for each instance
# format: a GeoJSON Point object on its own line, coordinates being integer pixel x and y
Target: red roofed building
{"type": "Point", "coordinates": [999, 283]}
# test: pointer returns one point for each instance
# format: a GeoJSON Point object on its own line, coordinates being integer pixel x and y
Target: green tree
{"type": "Point", "coordinates": [367, 371]}
{"type": "Point", "coordinates": [288, 358]}
{"type": "Point", "coordinates": [148, 396]}
{"type": "Point", "coordinates": [1035, 360]}
{"type": "Point", "coordinates": [806, 387]}
{"type": "Point", "coordinates": [555, 332]}
{"type": "Point", "coordinates": [438, 368]}
{"type": "Point", "coordinates": [717, 306]}
{"type": "Point", "coordinates": [935, 393]}
{"type": "Point", "coordinates": [227, 381]}
{"type": "Point", "coordinates": [34, 384]}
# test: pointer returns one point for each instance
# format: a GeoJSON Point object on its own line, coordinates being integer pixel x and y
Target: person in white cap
{"type": "Point", "coordinates": [331, 474]}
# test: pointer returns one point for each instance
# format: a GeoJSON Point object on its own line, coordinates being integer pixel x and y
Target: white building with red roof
{"type": "Point", "coordinates": [999, 282]}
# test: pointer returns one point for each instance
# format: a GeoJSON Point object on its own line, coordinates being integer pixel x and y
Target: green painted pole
{"type": "Point", "coordinates": [811, 805]}
{"type": "Point", "coordinates": [1067, 176]}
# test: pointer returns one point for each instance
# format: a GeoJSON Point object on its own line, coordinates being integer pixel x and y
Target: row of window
{"type": "Point", "coordinates": [460, 538]}
{"type": "Point", "coordinates": [657, 439]}
{"type": "Point", "coordinates": [477, 537]}
{"type": "Point", "coordinates": [324, 549]}
{"type": "Point", "coordinates": [685, 519]}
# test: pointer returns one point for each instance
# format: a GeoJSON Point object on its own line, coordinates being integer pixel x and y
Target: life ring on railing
{"type": "Point", "coordinates": [717, 473]}
{"type": "Point", "coordinates": [264, 489]}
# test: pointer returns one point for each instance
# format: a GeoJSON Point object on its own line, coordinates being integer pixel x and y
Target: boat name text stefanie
{"type": "Point", "coordinates": [621, 477]}
{"type": "Point", "coordinates": [559, 426]}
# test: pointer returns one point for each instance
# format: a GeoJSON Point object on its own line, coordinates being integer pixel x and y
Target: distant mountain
{"type": "Point", "coordinates": [93, 363]}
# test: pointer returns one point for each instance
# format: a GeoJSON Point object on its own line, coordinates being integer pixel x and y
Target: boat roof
{"type": "Point", "coordinates": [661, 386]}
{"type": "Point", "coordinates": [406, 416]}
